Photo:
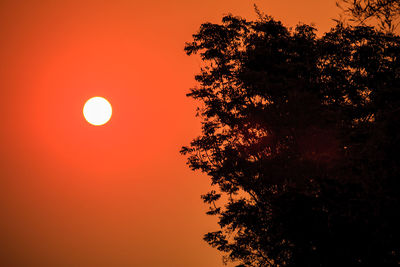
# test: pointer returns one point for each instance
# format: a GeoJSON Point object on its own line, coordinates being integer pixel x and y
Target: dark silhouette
{"type": "Point", "coordinates": [300, 136]}
{"type": "Point", "coordinates": [383, 13]}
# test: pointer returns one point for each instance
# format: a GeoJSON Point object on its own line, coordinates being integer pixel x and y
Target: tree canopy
{"type": "Point", "coordinates": [383, 13]}
{"type": "Point", "coordinates": [300, 137]}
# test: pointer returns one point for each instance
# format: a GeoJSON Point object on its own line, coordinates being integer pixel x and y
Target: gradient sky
{"type": "Point", "coordinates": [72, 194]}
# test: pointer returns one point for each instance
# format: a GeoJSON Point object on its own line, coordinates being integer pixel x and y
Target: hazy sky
{"type": "Point", "coordinates": [72, 194]}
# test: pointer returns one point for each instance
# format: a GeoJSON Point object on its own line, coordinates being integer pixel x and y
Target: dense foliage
{"type": "Point", "coordinates": [300, 137]}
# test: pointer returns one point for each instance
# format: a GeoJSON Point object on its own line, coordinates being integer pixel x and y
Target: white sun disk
{"type": "Point", "coordinates": [97, 111]}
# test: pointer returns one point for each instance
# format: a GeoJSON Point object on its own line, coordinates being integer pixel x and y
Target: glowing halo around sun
{"type": "Point", "coordinates": [97, 111]}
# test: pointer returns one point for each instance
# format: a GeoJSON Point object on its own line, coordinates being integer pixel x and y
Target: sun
{"type": "Point", "coordinates": [97, 111]}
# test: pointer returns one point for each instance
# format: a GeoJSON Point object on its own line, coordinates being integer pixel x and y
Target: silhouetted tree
{"type": "Point", "coordinates": [384, 13]}
{"type": "Point", "coordinates": [300, 136]}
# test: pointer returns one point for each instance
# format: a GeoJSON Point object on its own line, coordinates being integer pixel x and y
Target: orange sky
{"type": "Point", "coordinates": [72, 194]}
